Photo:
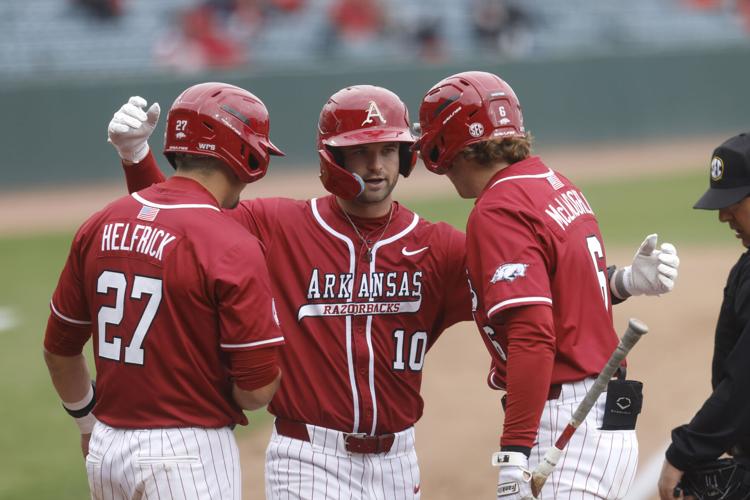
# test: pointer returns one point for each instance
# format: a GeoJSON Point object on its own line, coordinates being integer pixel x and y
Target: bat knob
{"type": "Point", "coordinates": [638, 326]}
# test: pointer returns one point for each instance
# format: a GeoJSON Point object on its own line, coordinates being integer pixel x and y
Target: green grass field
{"type": "Point", "coordinates": [627, 210]}
{"type": "Point", "coordinates": [40, 452]}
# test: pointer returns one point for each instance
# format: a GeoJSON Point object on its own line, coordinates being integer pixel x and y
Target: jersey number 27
{"type": "Point", "coordinates": [108, 315]}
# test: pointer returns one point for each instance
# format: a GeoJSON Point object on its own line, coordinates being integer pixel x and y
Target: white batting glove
{"type": "Point", "coordinates": [514, 478]}
{"type": "Point", "coordinates": [652, 272]}
{"type": "Point", "coordinates": [131, 127]}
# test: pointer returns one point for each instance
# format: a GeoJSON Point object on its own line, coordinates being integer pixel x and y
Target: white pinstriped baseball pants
{"type": "Point", "coordinates": [180, 463]}
{"type": "Point", "coordinates": [323, 469]}
{"type": "Point", "coordinates": [596, 464]}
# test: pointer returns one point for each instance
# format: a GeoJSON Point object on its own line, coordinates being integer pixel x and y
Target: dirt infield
{"type": "Point", "coordinates": [462, 419]}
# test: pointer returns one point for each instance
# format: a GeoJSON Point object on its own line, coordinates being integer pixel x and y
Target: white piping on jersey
{"type": "Point", "coordinates": [349, 354]}
{"type": "Point", "coordinates": [495, 384]}
{"type": "Point", "coordinates": [530, 176]}
{"type": "Point", "coordinates": [144, 201]}
{"type": "Point", "coordinates": [69, 320]}
{"type": "Point", "coordinates": [253, 344]}
{"type": "Point", "coordinates": [520, 300]}
{"type": "Point", "coordinates": [368, 328]}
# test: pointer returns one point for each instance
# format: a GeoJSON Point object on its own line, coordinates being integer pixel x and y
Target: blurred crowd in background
{"type": "Point", "coordinates": [71, 37]}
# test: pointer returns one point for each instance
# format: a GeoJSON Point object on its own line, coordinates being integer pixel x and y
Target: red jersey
{"type": "Point", "coordinates": [169, 286]}
{"type": "Point", "coordinates": [357, 330]}
{"type": "Point", "coordinates": [532, 238]}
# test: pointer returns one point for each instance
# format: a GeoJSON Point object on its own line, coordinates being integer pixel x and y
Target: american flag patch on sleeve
{"type": "Point", "coordinates": [555, 182]}
{"type": "Point", "coordinates": [148, 213]}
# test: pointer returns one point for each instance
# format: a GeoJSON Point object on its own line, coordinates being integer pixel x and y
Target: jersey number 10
{"type": "Point", "coordinates": [417, 348]}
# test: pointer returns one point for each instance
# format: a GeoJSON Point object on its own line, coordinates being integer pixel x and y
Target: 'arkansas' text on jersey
{"type": "Point", "coordinates": [369, 286]}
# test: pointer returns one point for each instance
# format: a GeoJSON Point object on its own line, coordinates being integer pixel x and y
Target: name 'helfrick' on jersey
{"type": "Point", "coordinates": [144, 239]}
{"type": "Point", "coordinates": [567, 207]}
{"type": "Point", "coordinates": [378, 289]}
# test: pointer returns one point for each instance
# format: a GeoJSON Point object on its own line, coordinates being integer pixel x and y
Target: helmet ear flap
{"type": "Point", "coordinates": [407, 159]}
{"type": "Point", "coordinates": [336, 179]}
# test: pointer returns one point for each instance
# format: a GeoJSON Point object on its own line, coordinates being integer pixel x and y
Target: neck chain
{"type": "Point", "coordinates": [362, 238]}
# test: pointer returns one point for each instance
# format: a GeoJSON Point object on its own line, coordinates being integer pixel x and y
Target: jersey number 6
{"type": "Point", "coordinates": [113, 315]}
{"type": "Point", "coordinates": [597, 253]}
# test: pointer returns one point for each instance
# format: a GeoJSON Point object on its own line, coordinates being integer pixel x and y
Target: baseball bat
{"type": "Point", "coordinates": [636, 329]}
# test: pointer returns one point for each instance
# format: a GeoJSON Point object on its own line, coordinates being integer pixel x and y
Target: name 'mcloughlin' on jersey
{"type": "Point", "coordinates": [567, 207]}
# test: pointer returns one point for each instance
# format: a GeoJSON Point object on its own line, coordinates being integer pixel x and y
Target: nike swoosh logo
{"type": "Point", "coordinates": [409, 253]}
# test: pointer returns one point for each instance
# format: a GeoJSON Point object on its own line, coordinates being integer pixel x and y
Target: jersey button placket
{"type": "Point", "coordinates": [362, 357]}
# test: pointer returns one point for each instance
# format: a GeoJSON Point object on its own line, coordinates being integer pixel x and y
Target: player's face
{"type": "Point", "coordinates": [377, 163]}
{"type": "Point", "coordinates": [738, 218]}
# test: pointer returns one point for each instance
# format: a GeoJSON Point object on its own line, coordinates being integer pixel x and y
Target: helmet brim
{"type": "Point", "coordinates": [370, 135]}
{"type": "Point", "coordinates": [273, 150]}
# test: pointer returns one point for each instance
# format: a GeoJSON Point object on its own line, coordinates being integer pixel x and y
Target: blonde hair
{"type": "Point", "coordinates": [508, 150]}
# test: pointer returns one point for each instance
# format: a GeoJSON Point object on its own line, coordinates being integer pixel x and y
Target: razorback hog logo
{"type": "Point", "coordinates": [509, 272]}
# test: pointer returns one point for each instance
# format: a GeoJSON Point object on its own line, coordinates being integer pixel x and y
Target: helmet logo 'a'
{"type": "Point", "coordinates": [717, 168]}
{"type": "Point", "coordinates": [373, 111]}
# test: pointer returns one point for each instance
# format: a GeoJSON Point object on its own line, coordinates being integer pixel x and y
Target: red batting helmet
{"type": "Point", "coordinates": [224, 122]}
{"type": "Point", "coordinates": [464, 109]}
{"type": "Point", "coordinates": [361, 114]}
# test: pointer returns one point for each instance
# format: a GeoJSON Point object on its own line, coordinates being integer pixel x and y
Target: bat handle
{"type": "Point", "coordinates": [544, 469]}
{"type": "Point", "coordinates": [636, 329]}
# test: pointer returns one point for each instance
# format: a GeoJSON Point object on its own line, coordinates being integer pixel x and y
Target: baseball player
{"type": "Point", "coordinates": [541, 292]}
{"type": "Point", "coordinates": [178, 301]}
{"type": "Point", "coordinates": [365, 288]}
{"type": "Point", "coordinates": [361, 284]}
{"type": "Point", "coordinates": [722, 424]}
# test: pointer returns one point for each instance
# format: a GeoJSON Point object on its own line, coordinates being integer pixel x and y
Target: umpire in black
{"type": "Point", "coordinates": [722, 425]}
